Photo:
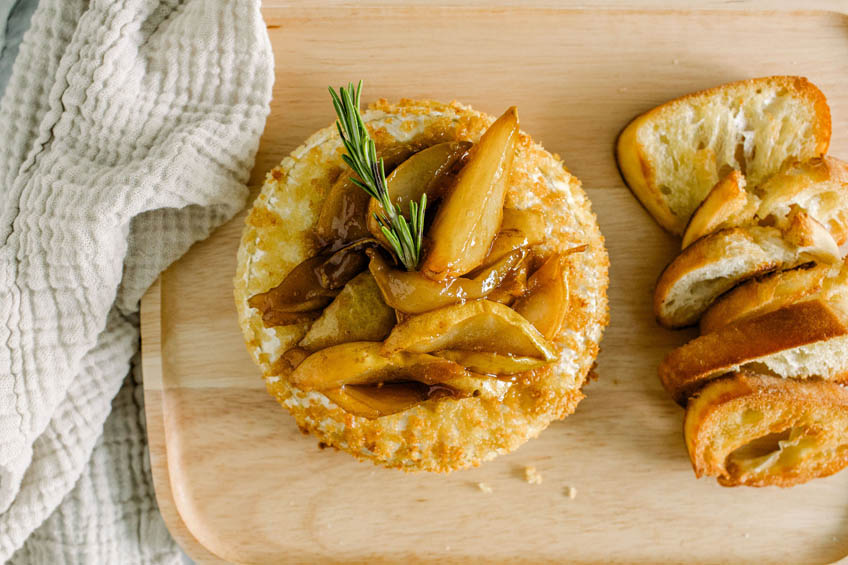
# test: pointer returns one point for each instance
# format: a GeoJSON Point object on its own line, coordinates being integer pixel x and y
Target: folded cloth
{"type": "Point", "coordinates": [128, 131]}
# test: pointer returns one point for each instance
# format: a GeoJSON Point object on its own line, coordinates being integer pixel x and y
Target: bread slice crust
{"type": "Point", "coordinates": [670, 173]}
{"type": "Point", "coordinates": [770, 292]}
{"type": "Point", "coordinates": [801, 428]}
{"type": "Point", "coordinates": [819, 186]}
{"type": "Point", "coordinates": [728, 204]}
{"type": "Point", "coordinates": [719, 261]}
{"type": "Point", "coordinates": [749, 341]}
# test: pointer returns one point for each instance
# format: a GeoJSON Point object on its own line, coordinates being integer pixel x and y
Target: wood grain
{"type": "Point", "coordinates": [236, 480]}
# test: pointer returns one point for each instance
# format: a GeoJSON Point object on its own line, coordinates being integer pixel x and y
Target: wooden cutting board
{"type": "Point", "coordinates": [237, 481]}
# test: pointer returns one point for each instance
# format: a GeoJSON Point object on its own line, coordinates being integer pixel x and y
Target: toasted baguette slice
{"type": "Point", "coordinates": [728, 204]}
{"type": "Point", "coordinates": [803, 340]}
{"type": "Point", "coordinates": [776, 290]}
{"type": "Point", "coordinates": [758, 430]}
{"type": "Point", "coordinates": [672, 155]}
{"type": "Point", "coordinates": [818, 186]}
{"type": "Point", "coordinates": [718, 262]}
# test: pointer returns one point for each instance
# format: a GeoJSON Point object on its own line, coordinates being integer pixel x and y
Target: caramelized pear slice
{"type": "Point", "coordinates": [358, 313]}
{"type": "Point", "coordinates": [514, 286]}
{"type": "Point", "coordinates": [412, 293]}
{"type": "Point", "coordinates": [385, 399]}
{"type": "Point", "coordinates": [361, 362]}
{"type": "Point", "coordinates": [471, 212]}
{"type": "Point", "coordinates": [373, 402]}
{"type": "Point", "coordinates": [340, 267]}
{"type": "Point", "coordinates": [343, 215]}
{"type": "Point", "coordinates": [481, 325]}
{"type": "Point", "coordinates": [519, 229]}
{"type": "Point", "coordinates": [300, 291]}
{"type": "Point", "coordinates": [488, 363]}
{"type": "Point", "coordinates": [546, 302]}
{"type": "Point", "coordinates": [426, 172]}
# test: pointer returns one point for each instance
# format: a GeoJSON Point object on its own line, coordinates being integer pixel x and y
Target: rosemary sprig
{"type": "Point", "coordinates": [404, 237]}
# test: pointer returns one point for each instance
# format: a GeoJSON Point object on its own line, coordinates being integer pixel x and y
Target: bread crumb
{"type": "Point", "coordinates": [484, 487]}
{"type": "Point", "coordinates": [746, 535]}
{"type": "Point", "coordinates": [571, 492]}
{"type": "Point", "coordinates": [532, 476]}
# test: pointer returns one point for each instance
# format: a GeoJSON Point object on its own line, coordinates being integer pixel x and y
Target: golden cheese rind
{"type": "Point", "coordinates": [443, 434]}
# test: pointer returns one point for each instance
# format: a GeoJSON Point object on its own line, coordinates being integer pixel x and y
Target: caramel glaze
{"type": "Point", "coordinates": [341, 238]}
{"type": "Point", "coordinates": [387, 398]}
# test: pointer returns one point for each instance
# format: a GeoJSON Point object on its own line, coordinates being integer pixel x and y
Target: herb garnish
{"type": "Point", "coordinates": [404, 237]}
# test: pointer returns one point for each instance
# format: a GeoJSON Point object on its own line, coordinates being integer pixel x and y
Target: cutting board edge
{"type": "Point", "coordinates": [151, 368]}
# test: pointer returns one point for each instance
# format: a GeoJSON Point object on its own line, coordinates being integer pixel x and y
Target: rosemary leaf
{"type": "Point", "coordinates": [404, 236]}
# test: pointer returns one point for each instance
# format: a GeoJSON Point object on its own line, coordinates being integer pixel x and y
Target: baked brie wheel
{"type": "Point", "coordinates": [470, 354]}
{"type": "Point", "coordinates": [758, 430]}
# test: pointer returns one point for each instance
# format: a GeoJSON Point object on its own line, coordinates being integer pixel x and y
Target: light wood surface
{"type": "Point", "coordinates": [236, 480]}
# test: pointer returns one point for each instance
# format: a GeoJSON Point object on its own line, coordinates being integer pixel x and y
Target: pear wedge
{"type": "Point", "coordinates": [546, 302]}
{"type": "Point", "coordinates": [481, 325]}
{"type": "Point", "coordinates": [426, 172]}
{"type": "Point", "coordinates": [519, 229]}
{"type": "Point", "coordinates": [487, 363]}
{"type": "Point", "coordinates": [412, 293]}
{"type": "Point", "coordinates": [343, 215]}
{"type": "Point", "coordinates": [471, 211]}
{"type": "Point", "coordinates": [362, 363]}
{"type": "Point", "coordinates": [358, 313]}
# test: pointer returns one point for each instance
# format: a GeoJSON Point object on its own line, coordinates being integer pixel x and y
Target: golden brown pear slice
{"type": "Point", "coordinates": [488, 363]}
{"type": "Point", "coordinates": [426, 172]}
{"type": "Point", "coordinates": [343, 214]}
{"type": "Point", "coordinates": [471, 212]}
{"type": "Point", "coordinates": [374, 402]}
{"type": "Point", "coordinates": [384, 399]}
{"type": "Point", "coordinates": [361, 363]}
{"type": "Point", "coordinates": [358, 313]}
{"type": "Point", "coordinates": [546, 302]}
{"type": "Point", "coordinates": [727, 204]}
{"type": "Point", "coordinates": [519, 229]}
{"type": "Point", "coordinates": [481, 325]}
{"type": "Point", "coordinates": [299, 292]}
{"type": "Point", "coordinates": [412, 293]}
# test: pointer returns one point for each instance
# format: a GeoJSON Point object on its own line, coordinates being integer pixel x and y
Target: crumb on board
{"type": "Point", "coordinates": [532, 476]}
{"type": "Point", "coordinates": [571, 492]}
{"type": "Point", "coordinates": [484, 487]}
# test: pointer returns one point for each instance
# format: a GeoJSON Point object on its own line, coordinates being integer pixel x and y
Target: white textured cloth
{"type": "Point", "coordinates": [127, 133]}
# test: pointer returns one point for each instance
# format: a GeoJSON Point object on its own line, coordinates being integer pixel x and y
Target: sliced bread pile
{"type": "Point", "coordinates": [740, 171]}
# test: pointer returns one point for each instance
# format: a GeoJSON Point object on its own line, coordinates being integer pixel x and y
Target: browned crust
{"type": "Point", "coordinates": [689, 367]}
{"type": "Point", "coordinates": [818, 406]}
{"type": "Point", "coordinates": [716, 199]}
{"type": "Point", "coordinates": [796, 177]}
{"type": "Point", "coordinates": [445, 434]}
{"type": "Point", "coordinates": [764, 294]}
{"type": "Point", "coordinates": [640, 176]}
{"type": "Point", "coordinates": [709, 249]}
